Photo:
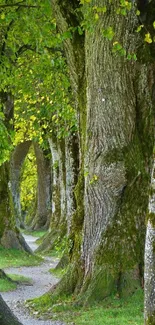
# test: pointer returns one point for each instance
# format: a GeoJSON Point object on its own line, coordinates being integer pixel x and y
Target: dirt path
{"type": "Point", "coordinates": [42, 281]}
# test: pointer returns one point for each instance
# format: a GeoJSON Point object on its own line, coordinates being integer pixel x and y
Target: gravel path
{"type": "Point", "coordinates": [42, 282]}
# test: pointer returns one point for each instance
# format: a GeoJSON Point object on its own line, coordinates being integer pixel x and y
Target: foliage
{"type": "Point", "coordinates": [34, 71]}
{"type": "Point", "coordinates": [5, 142]}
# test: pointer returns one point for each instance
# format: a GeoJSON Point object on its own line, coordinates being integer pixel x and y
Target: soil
{"type": "Point", "coordinates": [42, 281]}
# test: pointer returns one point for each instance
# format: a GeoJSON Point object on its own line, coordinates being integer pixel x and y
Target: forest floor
{"type": "Point", "coordinates": [111, 311]}
{"type": "Point", "coordinates": [42, 281]}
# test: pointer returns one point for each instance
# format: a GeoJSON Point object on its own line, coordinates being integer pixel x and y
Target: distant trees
{"type": "Point", "coordinates": [85, 90]}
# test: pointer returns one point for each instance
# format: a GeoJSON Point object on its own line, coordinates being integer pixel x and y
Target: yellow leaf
{"type": "Point", "coordinates": [148, 38]}
{"type": "Point", "coordinates": [3, 15]}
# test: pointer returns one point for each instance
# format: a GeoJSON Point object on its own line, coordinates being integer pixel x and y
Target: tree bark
{"type": "Point", "coordinates": [72, 170]}
{"type": "Point", "coordinates": [116, 158]}
{"type": "Point", "coordinates": [6, 315]}
{"type": "Point", "coordinates": [16, 162]}
{"type": "Point", "coordinates": [149, 275]}
{"type": "Point", "coordinates": [10, 236]}
{"type": "Point", "coordinates": [42, 216]}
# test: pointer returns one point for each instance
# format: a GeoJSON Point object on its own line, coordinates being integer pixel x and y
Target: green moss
{"type": "Point", "coordinates": [150, 320]}
{"type": "Point", "coordinates": [96, 287]}
{"type": "Point", "coordinates": [151, 217]}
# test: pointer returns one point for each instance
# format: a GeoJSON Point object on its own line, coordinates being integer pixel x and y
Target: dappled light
{"type": "Point", "coordinates": [77, 178]}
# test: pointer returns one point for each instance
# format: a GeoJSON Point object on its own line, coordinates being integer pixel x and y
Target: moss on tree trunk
{"type": "Point", "coordinates": [117, 144]}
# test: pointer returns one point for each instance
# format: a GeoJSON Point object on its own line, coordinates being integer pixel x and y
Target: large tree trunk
{"type": "Point", "coordinates": [117, 182]}
{"type": "Point", "coordinates": [72, 170]}
{"type": "Point", "coordinates": [42, 216]}
{"type": "Point", "coordinates": [10, 236]}
{"type": "Point", "coordinates": [6, 315]}
{"type": "Point", "coordinates": [117, 159]}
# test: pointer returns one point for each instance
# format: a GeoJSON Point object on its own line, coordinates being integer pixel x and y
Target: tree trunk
{"type": "Point", "coordinates": [117, 183]}
{"type": "Point", "coordinates": [17, 159]}
{"type": "Point", "coordinates": [6, 315]}
{"type": "Point", "coordinates": [72, 169]}
{"type": "Point", "coordinates": [57, 228]}
{"type": "Point", "coordinates": [117, 159]}
{"type": "Point", "coordinates": [42, 217]}
{"type": "Point", "coordinates": [62, 180]}
{"type": "Point", "coordinates": [56, 196]}
{"type": "Point", "coordinates": [149, 275]}
{"type": "Point", "coordinates": [10, 236]}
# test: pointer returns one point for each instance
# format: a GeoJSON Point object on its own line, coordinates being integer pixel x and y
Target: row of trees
{"type": "Point", "coordinates": [79, 83]}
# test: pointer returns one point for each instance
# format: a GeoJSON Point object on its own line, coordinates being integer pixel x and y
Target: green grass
{"type": "Point", "coordinates": [6, 285]}
{"type": "Point", "coordinates": [35, 233]}
{"type": "Point", "coordinates": [16, 258]}
{"type": "Point", "coordinates": [58, 272]}
{"type": "Point", "coordinates": [112, 311]}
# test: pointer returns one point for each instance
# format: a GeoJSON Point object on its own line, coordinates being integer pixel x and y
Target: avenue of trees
{"type": "Point", "coordinates": [77, 89]}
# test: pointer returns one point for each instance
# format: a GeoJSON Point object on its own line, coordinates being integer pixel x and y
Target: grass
{"type": "Point", "coordinates": [58, 272]}
{"type": "Point", "coordinates": [35, 233]}
{"type": "Point", "coordinates": [112, 311]}
{"type": "Point", "coordinates": [16, 258]}
{"type": "Point", "coordinates": [6, 285]}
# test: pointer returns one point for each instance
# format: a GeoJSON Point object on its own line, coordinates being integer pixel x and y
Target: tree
{"type": "Point", "coordinates": [149, 276]}
{"type": "Point", "coordinates": [42, 213]}
{"type": "Point", "coordinates": [116, 116]}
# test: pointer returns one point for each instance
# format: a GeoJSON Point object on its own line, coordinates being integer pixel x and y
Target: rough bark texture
{"type": "Point", "coordinates": [17, 159]}
{"type": "Point", "coordinates": [42, 217]}
{"type": "Point", "coordinates": [117, 106]}
{"type": "Point", "coordinates": [117, 159]}
{"type": "Point", "coordinates": [72, 166]}
{"type": "Point", "coordinates": [6, 315]}
{"type": "Point", "coordinates": [149, 275]}
{"type": "Point", "coordinates": [56, 196]}
{"type": "Point", "coordinates": [62, 179]}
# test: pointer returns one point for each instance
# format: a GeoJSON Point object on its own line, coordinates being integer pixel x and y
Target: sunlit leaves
{"type": "Point", "coordinates": [148, 38]}
{"type": "Point", "coordinates": [5, 143]}
{"type": "Point", "coordinates": [108, 33]}
{"type": "Point", "coordinates": [124, 7]}
{"type": "Point", "coordinates": [139, 28]}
